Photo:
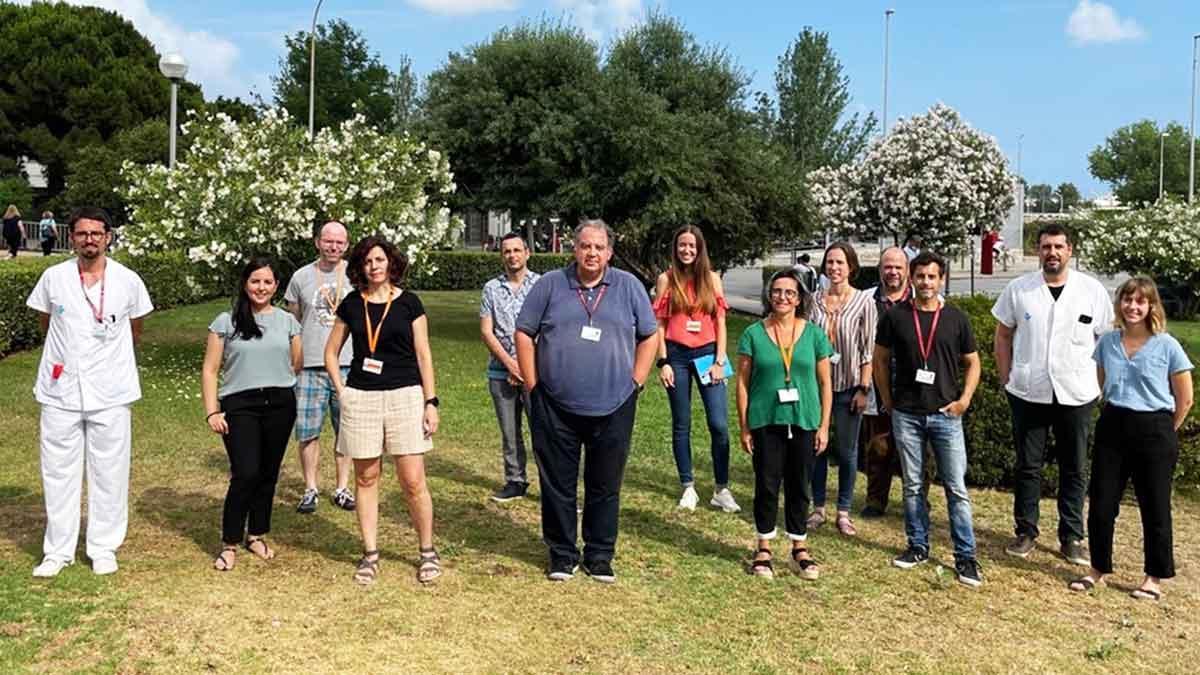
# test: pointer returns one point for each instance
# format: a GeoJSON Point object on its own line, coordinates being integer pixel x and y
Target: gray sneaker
{"type": "Point", "coordinates": [308, 502]}
{"type": "Point", "coordinates": [1075, 552]}
{"type": "Point", "coordinates": [1021, 546]}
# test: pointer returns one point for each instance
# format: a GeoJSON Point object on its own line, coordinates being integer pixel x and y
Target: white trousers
{"type": "Point", "coordinates": [100, 440]}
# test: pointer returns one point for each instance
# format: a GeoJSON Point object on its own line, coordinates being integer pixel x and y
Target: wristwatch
{"type": "Point", "coordinates": [661, 362]}
{"type": "Point", "coordinates": [433, 401]}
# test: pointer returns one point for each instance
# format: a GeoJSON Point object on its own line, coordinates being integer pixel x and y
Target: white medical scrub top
{"type": "Point", "coordinates": [95, 360]}
{"type": "Point", "coordinates": [1053, 340]}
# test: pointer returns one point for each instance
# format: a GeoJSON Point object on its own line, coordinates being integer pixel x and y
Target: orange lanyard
{"type": "Point", "coordinates": [373, 335]}
{"type": "Point", "coordinates": [786, 352]}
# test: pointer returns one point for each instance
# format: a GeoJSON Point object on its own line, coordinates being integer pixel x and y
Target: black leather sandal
{"type": "Point", "coordinates": [367, 569]}
{"type": "Point", "coordinates": [762, 568]}
{"type": "Point", "coordinates": [805, 567]}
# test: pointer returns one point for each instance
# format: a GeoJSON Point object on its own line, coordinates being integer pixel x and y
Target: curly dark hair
{"type": "Point", "coordinates": [397, 261]}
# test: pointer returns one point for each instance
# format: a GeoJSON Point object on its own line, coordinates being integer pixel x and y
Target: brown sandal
{"type": "Point", "coordinates": [223, 564]}
{"type": "Point", "coordinates": [367, 569]}
{"type": "Point", "coordinates": [267, 551]}
{"type": "Point", "coordinates": [429, 566]}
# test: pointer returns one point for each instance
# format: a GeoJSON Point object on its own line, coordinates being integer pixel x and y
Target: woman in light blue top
{"type": "Point", "coordinates": [1147, 387]}
{"type": "Point", "coordinates": [255, 349]}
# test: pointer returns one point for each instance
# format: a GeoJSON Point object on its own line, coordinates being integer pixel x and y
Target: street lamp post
{"type": "Point", "coordinates": [1192, 123]}
{"type": "Point", "coordinates": [312, 70]}
{"type": "Point", "coordinates": [887, 38]}
{"type": "Point", "coordinates": [174, 67]}
{"type": "Point", "coordinates": [1162, 140]}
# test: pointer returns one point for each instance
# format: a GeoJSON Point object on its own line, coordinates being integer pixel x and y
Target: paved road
{"type": "Point", "coordinates": [743, 285]}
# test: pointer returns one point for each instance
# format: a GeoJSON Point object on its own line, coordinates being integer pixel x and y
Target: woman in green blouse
{"type": "Point", "coordinates": [784, 396]}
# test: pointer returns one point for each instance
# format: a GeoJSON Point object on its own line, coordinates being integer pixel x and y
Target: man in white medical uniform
{"type": "Point", "coordinates": [92, 309]}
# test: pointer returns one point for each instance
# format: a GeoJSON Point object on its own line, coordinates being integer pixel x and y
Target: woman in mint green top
{"type": "Point", "coordinates": [784, 398]}
{"type": "Point", "coordinates": [255, 349]}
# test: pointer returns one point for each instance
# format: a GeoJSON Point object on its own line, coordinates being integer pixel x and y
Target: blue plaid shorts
{"type": "Point", "coordinates": [315, 395]}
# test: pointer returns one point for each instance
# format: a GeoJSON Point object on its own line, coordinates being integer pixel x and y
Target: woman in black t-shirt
{"type": "Point", "coordinates": [388, 403]}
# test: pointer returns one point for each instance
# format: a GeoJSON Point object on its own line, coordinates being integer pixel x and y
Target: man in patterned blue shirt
{"type": "Point", "coordinates": [502, 301]}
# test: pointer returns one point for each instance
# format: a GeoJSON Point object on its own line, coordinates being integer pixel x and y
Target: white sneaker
{"type": "Point", "coordinates": [689, 499]}
{"type": "Point", "coordinates": [104, 565]}
{"type": "Point", "coordinates": [723, 499]}
{"type": "Point", "coordinates": [49, 567]}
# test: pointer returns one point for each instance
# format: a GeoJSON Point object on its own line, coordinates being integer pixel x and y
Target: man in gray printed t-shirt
{"type": "Point", "coordinates": [313, 296]}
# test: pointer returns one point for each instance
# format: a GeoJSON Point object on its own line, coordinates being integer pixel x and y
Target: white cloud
{"type": "Point", "coordinates": [463, 7]}
{"type": "Point", "coordinates": [210, 59]}
{"type": "Point", "coordinates": [1098, 23]}
{"type": "Point", "coordinates": [598, 17]}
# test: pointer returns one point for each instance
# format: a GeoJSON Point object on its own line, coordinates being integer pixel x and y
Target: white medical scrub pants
{"type": "Point", "coordinates": [99, 440]}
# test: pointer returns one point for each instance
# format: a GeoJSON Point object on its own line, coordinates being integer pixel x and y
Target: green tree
{"type": "Point", "coordinates": [237, 109]}
{"type": "Point", "coordinates": [95, 173]}
{"type": "Point", "coordinates": [1041, 198]}
{"type": "Point", "coordinates": [809, 117]}
{"type": "Point", "coordinates": [349, 78]}
{"type": "Point", "coordinates": [677, 145]}
{"type": "Point", "coordinates": [1070, 195]}
{"type": "Point", "coordinates": [512, 113]}
{"type": "Point", "coordinates": [1129, 161]}
{"type": "Point", "coordinates": [73, 77]}
{"type": "Point", "coordinates": [406, 103]}
{"type": "Point", "coordinates": [14, 189]}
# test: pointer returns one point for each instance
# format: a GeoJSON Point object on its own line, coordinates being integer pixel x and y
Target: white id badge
{"type": "Point", "coordinates": [373, 366]}
{"type": "Point", "coordinates": [924, 376]}
{"type": "Point", "coordinates": [590, 333]}
{"type": "Point", "coordinates": [100, 331]}
{"type": "Point", "coordinates": [789, 395]}
{"type": "Point", "coordinates": [835, 359]}
{"type": "Point", "coordinates": [693, 326]}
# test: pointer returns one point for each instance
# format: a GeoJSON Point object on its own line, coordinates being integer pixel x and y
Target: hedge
{"type": "Point", "coordinates": [170, 278]}
{"type": "Point", "coordinates": [470, 270]}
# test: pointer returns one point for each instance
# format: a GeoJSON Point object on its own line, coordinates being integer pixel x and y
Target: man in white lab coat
{"type": "Point", "coordinates": [1048, 323]}
{"type": "Point", "coordinates": [91, 312]}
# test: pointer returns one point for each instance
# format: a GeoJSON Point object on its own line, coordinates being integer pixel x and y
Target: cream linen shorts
{"type": "Point", "coordinates": [375, 422]}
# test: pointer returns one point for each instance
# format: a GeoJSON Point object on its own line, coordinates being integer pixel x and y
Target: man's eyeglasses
{"type": "Point", "coordinates": [784, 293]}
{"type": "Point", "coordinates": [89, 235]}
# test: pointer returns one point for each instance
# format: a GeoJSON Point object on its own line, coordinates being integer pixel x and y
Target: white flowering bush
{"type": "Point", "coordinates": [932, 174]}
{"type": "Point", "coordinates": [1161, 240]}
{"type": "Point", "coordinates": [258, 187]}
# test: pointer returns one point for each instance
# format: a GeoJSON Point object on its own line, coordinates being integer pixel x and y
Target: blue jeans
{"type": "Point", "coordinates": [945, 434]}
{"type": "Point", "coordinates": [846, 425]}
{"type": "Point", "coordinates": [716, 411]}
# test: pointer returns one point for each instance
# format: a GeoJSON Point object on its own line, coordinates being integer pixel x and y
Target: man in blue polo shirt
{"type": "Point", "coordinates": [584, 347]}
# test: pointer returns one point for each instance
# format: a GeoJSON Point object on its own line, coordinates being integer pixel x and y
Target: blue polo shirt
{"type": "Point", "coordinates": [1142, 383]}
{"type": "Point", "coordinates": [585, 377]}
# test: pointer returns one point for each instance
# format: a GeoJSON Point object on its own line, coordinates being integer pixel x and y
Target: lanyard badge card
{"type": "Point", "coordinates": [370, 363]}
{"type": "Point", "coordinates": [590, 332]}
{"type": "Point", "coordinates": [924, 374]}
{"type": "Point", "coordinates": [788, 394]}
{"type": "Point", "coordinates": [99, 330]}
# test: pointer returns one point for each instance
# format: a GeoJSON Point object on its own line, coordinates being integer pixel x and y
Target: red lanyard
{"type": "Point", "coordinates": [926, 348]}
{"type": "Point", "coordinates": [97, 313]}
{"type": "Point", "coordinates": [595, 306]}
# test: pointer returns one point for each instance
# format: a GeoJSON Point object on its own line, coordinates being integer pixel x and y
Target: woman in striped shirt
{"type": "Point", "coordinates": [848, 316]}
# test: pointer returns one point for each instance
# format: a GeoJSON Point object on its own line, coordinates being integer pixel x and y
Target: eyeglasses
{"type": "Point", "coordinates": [89, 235]}
{"type": "Point", "coordinates": [785, 293]}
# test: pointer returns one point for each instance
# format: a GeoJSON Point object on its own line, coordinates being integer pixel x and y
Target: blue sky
{"type": "Point", "coordinates": [1064, 74]}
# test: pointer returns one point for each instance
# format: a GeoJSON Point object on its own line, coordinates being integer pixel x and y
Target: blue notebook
{"type": "Point", "coordinates": [704, 364]}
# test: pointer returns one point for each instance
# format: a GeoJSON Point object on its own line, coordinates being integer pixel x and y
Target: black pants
{"type": "Point", "coordinates": [47, 246]}
{"type": "Point", "coordinates": [1032, 423]}
{"type": "Point", "coordinates": [1142, 446]}
{"type": "Point", "coordinates": [14, 245]}
{"type": "Point", "coordinates": [778, 458]}
{"type": "Point", "coordinates": [260, 422]}
{"type": "Point", "coordinates": [557, 438]}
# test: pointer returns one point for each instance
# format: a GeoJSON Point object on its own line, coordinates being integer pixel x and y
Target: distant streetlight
{"type": "Point", "coordinates": [312, 70]}
{"type": "Point", "coordinates": [1192, 124]}
{"type": "Point", "coordinates": [174, 68]}
{"type": "Point", "coordinates": [1162, 140]}
{"type": "Point", "coordinates": [887, 38]}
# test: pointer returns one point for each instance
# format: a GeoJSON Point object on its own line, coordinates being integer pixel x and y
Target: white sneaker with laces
{"type": "Point", "coordinates": [49, 567]}
{"type": "Point", "coordinates": [723, 499]}
{"type": "Point", "coordinates": [689, 499]}
{"type": "Point", "coordinates": [103, 566]}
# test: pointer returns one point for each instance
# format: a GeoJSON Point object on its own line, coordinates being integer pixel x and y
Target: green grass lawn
{"type": "Point", "coordinates": [683, 600]}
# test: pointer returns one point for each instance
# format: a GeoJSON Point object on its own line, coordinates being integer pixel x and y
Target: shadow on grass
{"type": "Point", "coordinates": [22, 513]}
